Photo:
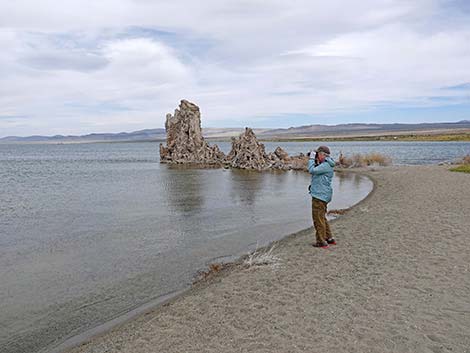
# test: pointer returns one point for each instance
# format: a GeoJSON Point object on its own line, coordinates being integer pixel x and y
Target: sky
{"type": "Point", "coordinates": [78, 66]}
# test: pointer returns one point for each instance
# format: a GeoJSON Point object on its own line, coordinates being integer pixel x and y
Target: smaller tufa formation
{"type": "Point", "coordinates": [280, 159]}
{"type": "Point", "coordinates": [247, 152]}
{"type": "Point", "coordinates": [281, 154]}
{"type": "Point", "coordinates": [184, 140]}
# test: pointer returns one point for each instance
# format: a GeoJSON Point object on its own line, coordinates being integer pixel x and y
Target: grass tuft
{"type": "Point", "coordinates": [262, 258]}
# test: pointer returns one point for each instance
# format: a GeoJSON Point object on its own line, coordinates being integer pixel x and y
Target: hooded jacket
{"type": "Point", "coordinates": [322, 175]}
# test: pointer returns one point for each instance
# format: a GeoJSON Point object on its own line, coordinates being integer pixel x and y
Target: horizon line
{"type": "Point", "coordinates": [254, 128]}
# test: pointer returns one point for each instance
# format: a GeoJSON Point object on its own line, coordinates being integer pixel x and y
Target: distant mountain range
{"type": "Point", "coordinates": [141, 135]}
{"type": "Point", "coordinates": [308, 131]}
{"type": "Point", "coordinates": [358, 129]}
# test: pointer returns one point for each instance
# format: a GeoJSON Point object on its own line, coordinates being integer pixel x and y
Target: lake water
{"type": "Point", "coordinates": [401, 152]}
{"type": "Point", "coordinates": [89, 232]}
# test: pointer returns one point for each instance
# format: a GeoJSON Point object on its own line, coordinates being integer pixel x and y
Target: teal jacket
{"type": "Point", "coordinates": [322, 174]}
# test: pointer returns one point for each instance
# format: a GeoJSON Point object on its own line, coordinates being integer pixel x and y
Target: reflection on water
{"type": "Point", "coordinates": [182, 189]}
{"type": "Point", "coordinates": [244, 186]}
{"type": "Point", "coordinates": [349, 186]}
{"type": "Point", "coordinates": [91, 231]}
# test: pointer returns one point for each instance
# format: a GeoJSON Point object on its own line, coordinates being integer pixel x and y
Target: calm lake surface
{"type": "Point", "coordinates": [88, 232]}
{"type": "Point", "coordinates": [401, 152]}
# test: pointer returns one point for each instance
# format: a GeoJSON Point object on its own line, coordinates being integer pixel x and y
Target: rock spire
{"type": "Point", "coordinates": [184, 140]}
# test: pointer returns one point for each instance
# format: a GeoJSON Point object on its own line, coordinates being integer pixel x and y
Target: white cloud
{"type": "Point", "coordinates": [122, 64]}
{"type": "Point", "coordinates": [144, 60]}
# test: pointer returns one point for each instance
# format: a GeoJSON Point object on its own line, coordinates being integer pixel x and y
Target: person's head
{"type": "Point", "coordinates": [322, 153]}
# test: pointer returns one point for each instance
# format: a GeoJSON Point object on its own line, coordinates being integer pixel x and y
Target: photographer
{"type": "Point", "coordinates": [321, 167]}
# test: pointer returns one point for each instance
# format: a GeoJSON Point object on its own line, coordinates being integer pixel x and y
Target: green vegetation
{"type": "Point", "coordinates": [407, 137]}
{"type": "Point", "coordinates": [436, 137]}
{"type": "Point", "coordinates": [464, 168]}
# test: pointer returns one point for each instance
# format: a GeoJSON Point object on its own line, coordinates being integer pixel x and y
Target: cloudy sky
{"type": "Point", "coordinates": [75, 66]}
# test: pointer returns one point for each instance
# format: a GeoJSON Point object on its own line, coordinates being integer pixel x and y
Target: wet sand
{"type": "Point", "coordinates": [398, 281]}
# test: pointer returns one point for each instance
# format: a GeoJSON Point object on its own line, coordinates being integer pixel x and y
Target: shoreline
{"type": "Point", "coordinates": [401, 289]}
{"type": "Point", "coordinates": [94, 332]}
{"type": "Point", "coordinates": [155, 304]}
{"type": "Point", "coordinates": [402, 136]}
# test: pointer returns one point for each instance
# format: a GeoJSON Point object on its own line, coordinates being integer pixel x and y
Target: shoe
{"type": "Point", "coordinates": [331, 241]}
{"type": "Point", "coordinates": [321, 245]}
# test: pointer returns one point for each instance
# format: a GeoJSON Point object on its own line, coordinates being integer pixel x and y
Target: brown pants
{"type": "Point", "coordinates": [320, 222]}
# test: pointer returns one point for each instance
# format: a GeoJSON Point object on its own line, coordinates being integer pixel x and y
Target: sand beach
{"type": "Point", "coordinates": [398, 281]}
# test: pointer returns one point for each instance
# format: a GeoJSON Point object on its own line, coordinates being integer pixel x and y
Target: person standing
{"type": "Point", "coordinates": [321, 167]}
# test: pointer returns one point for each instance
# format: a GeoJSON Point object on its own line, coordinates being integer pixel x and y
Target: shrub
{"type": "Point", "coordinates": [464, 168]}
{"type": "Point", "coordinates": [377, 158]}
{"type": "Point", "coordinates": [359, 160]}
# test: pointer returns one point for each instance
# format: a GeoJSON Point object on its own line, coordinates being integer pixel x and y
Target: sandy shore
{"type": "Point", "coordinates": [398, 281]}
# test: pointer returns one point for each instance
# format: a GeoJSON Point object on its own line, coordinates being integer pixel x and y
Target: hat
{"type": "Point", "coordinates": [323, 149]}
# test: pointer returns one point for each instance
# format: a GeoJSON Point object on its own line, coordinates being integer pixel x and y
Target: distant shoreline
{"type": "Point", "coordinates": [448, 137]}
{"type": "Point", "coordinates": [459, 137]}
{"type": "Point", "coordinates": [73, 142]}
{"type": "Point", "coordinates": [450, 131]}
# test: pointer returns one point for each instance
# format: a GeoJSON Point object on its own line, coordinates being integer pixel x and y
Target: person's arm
{"type": "Point", "coordinates": [319, 169]}
{"type": "Point", "coordinates": [330, 161]}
